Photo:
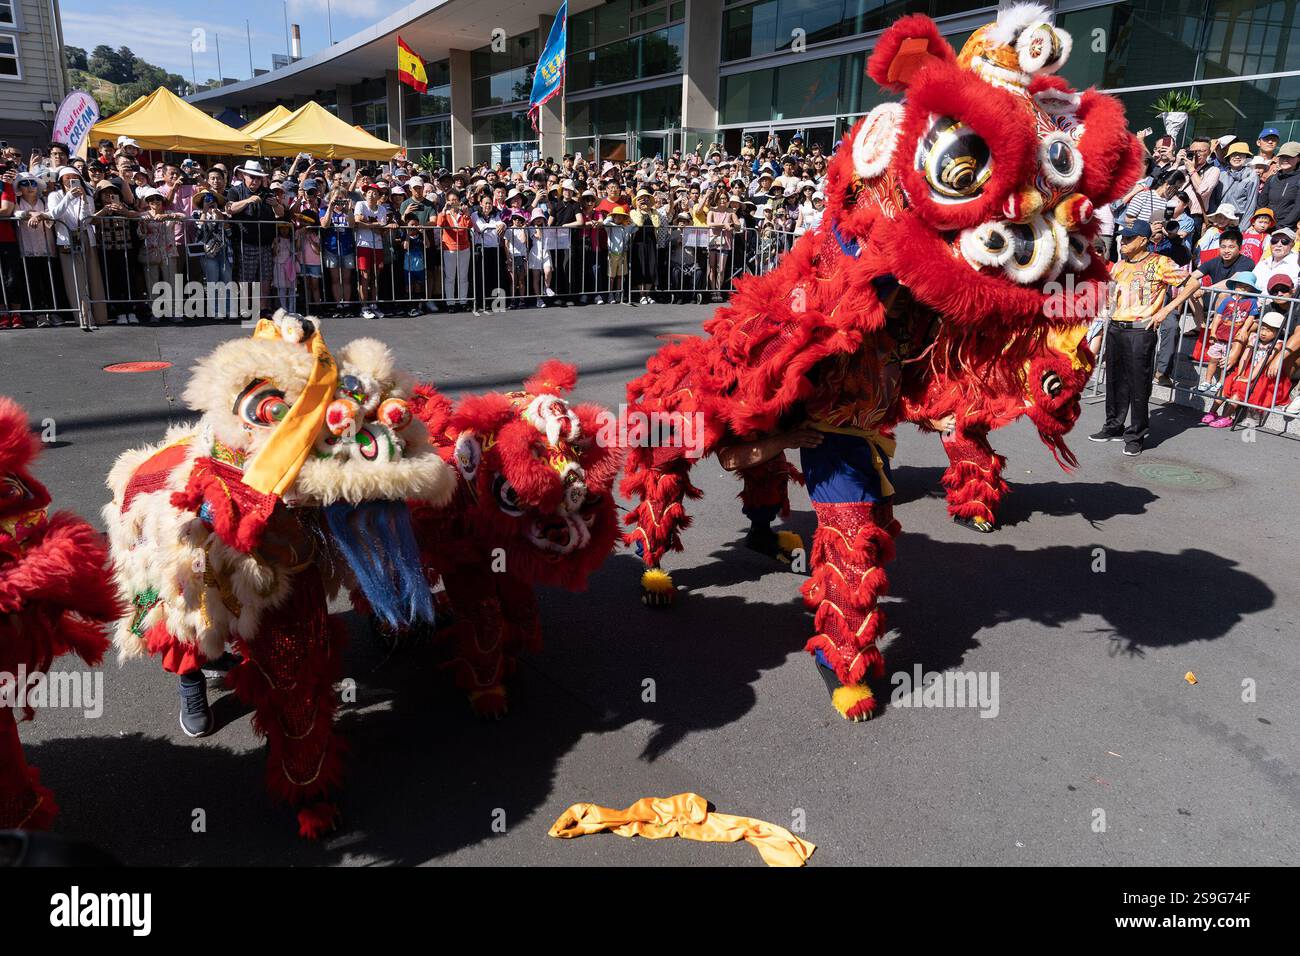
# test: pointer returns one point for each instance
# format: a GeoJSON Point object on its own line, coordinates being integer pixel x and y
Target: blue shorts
{"type": "Point", "coordinates": [841, 469]}
{"type": "Point", "coordinates": [311, 271]}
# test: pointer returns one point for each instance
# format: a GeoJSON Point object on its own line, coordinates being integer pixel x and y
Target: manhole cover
{"type": "Point", "coordinates": [1175, 475]}
{"type": "Point", "coordinates": [137, 367]}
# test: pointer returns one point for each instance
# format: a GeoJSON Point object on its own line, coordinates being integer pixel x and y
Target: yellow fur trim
{"type": "Point", "coordinates": [789, 541]}
{"type": "Point", "coordinates": [847, 695]}
{"type": "Point", "coordinates": [656, 580]}
{"type": "Point", "coordinates": [1066, 341]}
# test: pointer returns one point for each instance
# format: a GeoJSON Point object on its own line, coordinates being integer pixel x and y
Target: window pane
{"type": "Point", "coordinates": [747, 97]}
{"type": "Point", "coordinates": [808, 89]}
{"type": "Point", "coordinates": [818, 20]}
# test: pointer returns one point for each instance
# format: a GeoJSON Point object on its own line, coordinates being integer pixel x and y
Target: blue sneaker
{"type": "Point", "coordinates": [196, 715]}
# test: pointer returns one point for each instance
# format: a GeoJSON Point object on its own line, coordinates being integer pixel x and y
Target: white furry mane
{"type": "Point", "coordinates": [1014, 18]}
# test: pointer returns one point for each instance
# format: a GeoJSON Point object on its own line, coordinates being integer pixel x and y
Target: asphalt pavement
{"type": "Point", "coordinates": [1100, 592]}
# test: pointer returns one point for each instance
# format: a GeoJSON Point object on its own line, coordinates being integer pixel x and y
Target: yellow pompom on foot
{"type": "Point", "coordinates": [787, 543]}
{"type": "Point", "coordinates": [657, 588]}
{"type": "Point", "coordinates": [854, 701]}
{"type": "Point", "coordinates": [976, 523]}
{"type": "Point", "coordinates": [489, 702]}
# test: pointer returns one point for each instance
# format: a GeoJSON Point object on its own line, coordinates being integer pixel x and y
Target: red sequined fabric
{"type": "Point", "coordinates": [853, 543]}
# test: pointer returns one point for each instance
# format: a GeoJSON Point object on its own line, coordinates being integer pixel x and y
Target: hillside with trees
{"type": "Point", "coordinates": [116, 78]}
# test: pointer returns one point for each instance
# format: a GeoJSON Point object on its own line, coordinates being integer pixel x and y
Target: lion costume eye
{"type": "Point", "coordinates": [1052, 384]}
{"type": "Point", "coordinates": [261, 404]}
{"type": "Point", "coordinates": [1060, 160]}
{"type": "Point", "coordinates": [955, 160]}
{"type": "Point", "coordinates": [506, 496]}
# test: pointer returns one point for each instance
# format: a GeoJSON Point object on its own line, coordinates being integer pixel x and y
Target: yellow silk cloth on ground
{"type": "Point", "coordinates": [686, 815]}
{"type": "Point", "coordinates": [275, 467]}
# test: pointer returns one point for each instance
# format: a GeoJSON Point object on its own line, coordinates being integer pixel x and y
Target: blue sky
{"type": "Point", "coordinates": [161, 32]}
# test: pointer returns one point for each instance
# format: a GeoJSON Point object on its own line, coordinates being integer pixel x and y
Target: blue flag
{"type": "Point", "coordinates": [549, 76]}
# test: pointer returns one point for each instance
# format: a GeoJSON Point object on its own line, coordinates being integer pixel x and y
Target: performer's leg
{"type": "Point", "coordinates": [288, 675]}
{"type": "Point", "coordinates": [660, 515]}
{"type": "Point", "coordinates": [765, 495]}
{"type": "Point", "coordinates": [854, 541]}
{"type": "Point", "coordinates": [24, 803]}
{"type": "Point", "coordinates": [494, 619]}
{"type": "Point", "coordinates": [973, 479]}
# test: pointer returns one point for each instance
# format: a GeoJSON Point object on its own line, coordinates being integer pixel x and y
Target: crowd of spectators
{"type": "Point", "coordinates": [1223, 212]}
{"type": "Point", "coordinates": [337, 238]}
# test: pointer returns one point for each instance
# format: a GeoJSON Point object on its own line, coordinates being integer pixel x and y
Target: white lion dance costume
{"type": "Point", "coordinates": [292, 485]}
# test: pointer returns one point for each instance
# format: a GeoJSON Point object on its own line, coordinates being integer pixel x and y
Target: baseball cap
{"type": "Point", "coordinates": [1259, 160]}
{"type": "Point", "coordinates": [307, 185]}
{"type": "Point", "coordinates": [1284, 231]}
{"type": "Point", "coordinates": [1269, 131]}
{"type": "Point", "coordinates": [1280, 282]}
{"type": "Point", "coordinates": [415, 181]}
{"type": "Point", "coordinates": [1289, 149]}
{"type": "Point", "coordinates": [1140, 228]}
{"type": "Point", "coordinates": [1274, 320]}
{"type": "Point", "coordinates": [126, 141]}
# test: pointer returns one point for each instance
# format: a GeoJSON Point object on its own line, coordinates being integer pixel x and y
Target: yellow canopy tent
{"type": "Point", "coordinates": [162, 120]}
{"type": "Point", "coordinates": [314, 129]}
{"type": "Point", "coordinates": [265, 121]}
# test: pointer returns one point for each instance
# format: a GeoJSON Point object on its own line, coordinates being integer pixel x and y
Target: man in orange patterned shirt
{"type": "Point", "coordinates": [1140, 300]}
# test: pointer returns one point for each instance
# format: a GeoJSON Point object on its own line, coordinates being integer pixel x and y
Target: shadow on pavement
{"type": "Point", "coordinates": [1094, 501]}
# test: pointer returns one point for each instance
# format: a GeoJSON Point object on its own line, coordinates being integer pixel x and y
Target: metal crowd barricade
{"type": "Point", "coordinates": [39, 281]}
{"type": "Point", "coordinates": [1195, 374]}
{"type": "Point", "coordinates": [130, 269]}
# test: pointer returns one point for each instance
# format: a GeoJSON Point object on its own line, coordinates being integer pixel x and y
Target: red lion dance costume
{"type": "Point", "coordinates": [55, 598]}
{"type": "Point", "coordinates": [952, 274]}
{"type": "Point", "coordinates": [533, 505]}
{"type": "Point", "coordinates": [291, 487]}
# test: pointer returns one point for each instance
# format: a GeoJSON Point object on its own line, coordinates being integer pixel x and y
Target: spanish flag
{"type": "Point", "coordinates": [410, 68]}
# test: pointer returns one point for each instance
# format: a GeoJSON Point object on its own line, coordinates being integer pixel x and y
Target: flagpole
{"type": "Point", "coordinates": [401, 111]}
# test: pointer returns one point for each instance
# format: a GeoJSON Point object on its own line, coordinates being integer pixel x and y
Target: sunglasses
{"type": "Point", "coordinates": [1283, 240]}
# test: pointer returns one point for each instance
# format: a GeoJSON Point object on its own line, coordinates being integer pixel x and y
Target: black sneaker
{"type": "Point", "coordinates": [1132, 448]}
{"type": "Point", "coordinates": [1104, 435]}
{"type": "Point", "coordinates": [196, 715]}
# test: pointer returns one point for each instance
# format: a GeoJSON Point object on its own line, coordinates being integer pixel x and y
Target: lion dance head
{"type": "Point", "coordinates": [978, 190]}
{"type": "Point", "coordinates": [536, 473]}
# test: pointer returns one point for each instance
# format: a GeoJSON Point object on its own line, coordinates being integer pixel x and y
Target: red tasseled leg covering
{"type": "Point", "coordinates": [495, 619]}
{"type": "Point", "coordinates": [288, 676]}
{"type": "Point", "coordinates": [974, 476]}
{"type": "Point", "coordinates": [24, 803]}
{"type": "Point", "coordinates": [853, 543]}
{"type": "Point", "coordinates": [768, 485]}
{"type": "Point", "coordinates": [661, 483]}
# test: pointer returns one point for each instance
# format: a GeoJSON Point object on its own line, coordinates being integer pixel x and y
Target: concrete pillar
{"type": "Point", "coordinates": [395, 115]}
{"type": "Point", "coordinates": [551, 121]}
{"type": "Point", "coordinates": [343, 94]}
{"type": "Point", "coordinates": [701, 84]}
{"type": "Point", "coordinates": [462, 109]}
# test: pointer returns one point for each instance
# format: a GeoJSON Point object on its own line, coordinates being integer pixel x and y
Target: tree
{"type": "Point", "coordinates": [74, 58]}
{"type": "Point", "coordinates": [108, 64]}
